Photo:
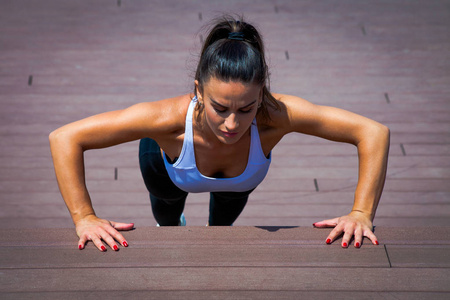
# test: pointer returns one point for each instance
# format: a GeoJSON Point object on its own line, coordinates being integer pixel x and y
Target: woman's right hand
{"type": "Point", "coordinates": [92, 228]}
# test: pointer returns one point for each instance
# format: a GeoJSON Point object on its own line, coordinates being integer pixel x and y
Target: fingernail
{"type": "Point", "coordinates": [344, 245]}
{"type": "Point", "coordinates": [328, 241]}
{"type": "Point", "coordinates": [125, 244]}
{"type": "Point", "coordinates": [314, 224]}
{"type": "Point", "coordinates": [103, 248]}
{"type": "Point", "coordinates": [376, 242]}
{"type": "Point", "coordinates": [80, 247]}
{"type": "Point", "coordinates": [115, 248]}
{"type": "Point", "coordinates": [357, 245]}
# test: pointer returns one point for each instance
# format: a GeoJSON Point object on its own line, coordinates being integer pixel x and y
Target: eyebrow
{"type": "Point", "coordinates": [218, 104]}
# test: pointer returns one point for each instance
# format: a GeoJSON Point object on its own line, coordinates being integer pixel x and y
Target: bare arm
{"type": "Point", "coordinates": [68, 144]}
{"type": "Point", "coordinates": [372, 141]}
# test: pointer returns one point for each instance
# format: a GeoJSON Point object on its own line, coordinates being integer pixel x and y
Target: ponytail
{"type": "Point", "coordinates": [234, 51]}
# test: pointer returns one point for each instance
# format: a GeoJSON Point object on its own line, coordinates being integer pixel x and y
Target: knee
{"type": "Point", "coordinates": [168, 196]}
{"type": "Point", "coordinates": [230, 196]}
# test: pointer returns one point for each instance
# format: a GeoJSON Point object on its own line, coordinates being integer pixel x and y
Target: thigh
{"type": "Point", "coordinates": [225, 207]}
{"type": "Point", "coordinates": [230, 196]}
{"type": "Point", "coordinates": [154, 172]}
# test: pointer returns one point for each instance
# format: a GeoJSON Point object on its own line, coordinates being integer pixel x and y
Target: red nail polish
{"type": "Point", "coordinates": [125, 244]}
{"type": "Point", "coordinates": [103, 248]}
{"type": "Point", "coordinates": [80, 247]}
{"type": "Point", "coordinates": [344, 245]}
{"type": "Point", "coordinates": [328, 241]}
{"type": "Point", "coordinates": [115, 248]}
{"type": "Point", "coordinates": [357, 245]}
{"type": "Point", "coordinates": [376, 242]}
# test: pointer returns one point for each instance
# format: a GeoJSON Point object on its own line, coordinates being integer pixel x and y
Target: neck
{"type": "Point", "coordinates": [202, 131]}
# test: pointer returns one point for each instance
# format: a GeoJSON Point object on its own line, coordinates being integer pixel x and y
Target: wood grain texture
{"type": "Point", "coordinates": [389, 60]}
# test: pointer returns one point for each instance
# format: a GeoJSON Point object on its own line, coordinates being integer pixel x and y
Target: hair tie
{"type": "Point", "coordinates": [238, 36]}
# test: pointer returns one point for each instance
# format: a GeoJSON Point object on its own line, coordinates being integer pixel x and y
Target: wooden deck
{"type": "Point", "coordinates": [227, 263]}
{"type": "Point", "coordinates": [389, 60]}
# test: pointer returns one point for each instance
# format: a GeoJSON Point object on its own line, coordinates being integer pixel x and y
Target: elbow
{"type": "Point", "coordinates": [66, 139]}
{"type": "Point", "coordinates": [55, 136]}
{"type": "Point", "coordinates": [52, 137]}
{"type": "Point", "coordinates": [60, 138]}
{"type": "Point", "coordinates": [382, 135]}
{"type": "Point", "coordinates": [376, 135]}
{"type": "Point", "coordinates": [385, 133]}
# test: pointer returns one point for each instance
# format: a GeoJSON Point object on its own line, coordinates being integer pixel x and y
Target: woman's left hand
{"type": "Point", "coordinates": [354, 224]}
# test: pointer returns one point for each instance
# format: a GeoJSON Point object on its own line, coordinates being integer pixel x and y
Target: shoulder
{"type": "Point", "coordinates": [292, 103]}
{"type": "Point", "coordinates": [299, 115]}
{"type": "Point", "coordinates": [164, 115]}
{"type": "Point", "coordinates": [283, 118]}
{"type": "Point", "coordinates": [169, 107]}
{"type": "Point", "coordinates": [292, 109]}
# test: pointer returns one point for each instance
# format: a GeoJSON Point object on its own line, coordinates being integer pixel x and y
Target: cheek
{"type": "Point", "coordinates": [250, 117]}
{"type": "Point", "coordinates": [247, 119]}
{"type": "Point", "coordinates": [212, 119]}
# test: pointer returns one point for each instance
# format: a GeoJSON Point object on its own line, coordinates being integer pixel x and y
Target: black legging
{"type": "Point", "coordinates": [168, 200]}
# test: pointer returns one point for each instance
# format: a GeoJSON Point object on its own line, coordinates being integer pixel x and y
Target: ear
{"type": "Point", "coordinates": [197, 90]}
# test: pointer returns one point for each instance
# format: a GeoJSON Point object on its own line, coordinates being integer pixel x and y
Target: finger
{"type": "Point", "coordinates": [372, 237]}
{"type": "Point", "coordinates": [117, 236]}
{"type": "Point", "coordinates": [122, 226]}
{"type": "Point", "coordinates": [97, 236]}
{"type": "Point", "coordinates": [110, 241]}
{"type": "Point", "coordinates": [82, 242]}
{"type": "Point", "coordinates": [334, 234]}
{"type": "Point", "coordinates": [327, 223]}
{"type": "Point", "coordinates": [358, 237]}
{"type": "Point", "coordinates": [105, 234]}
{"type": "Point", "coordinates": [346, 238]}
{"type": "Point", "coordinates": [98, 243]}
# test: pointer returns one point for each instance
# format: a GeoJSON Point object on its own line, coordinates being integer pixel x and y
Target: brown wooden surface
{"type": "Point", "coordinates": [240, 262]}
{"type": "Point", "coordinates": [389, 60]}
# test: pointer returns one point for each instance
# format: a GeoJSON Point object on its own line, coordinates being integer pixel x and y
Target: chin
{"type": "Point", "coordinates": [227, 140]}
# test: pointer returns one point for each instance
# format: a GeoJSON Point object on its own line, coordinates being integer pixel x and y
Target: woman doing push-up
{"type": "Point", "coordinates": [217, 139]}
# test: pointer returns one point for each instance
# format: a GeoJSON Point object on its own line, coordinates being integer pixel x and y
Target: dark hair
{"type": "Point", "coordinates": [234, 51]}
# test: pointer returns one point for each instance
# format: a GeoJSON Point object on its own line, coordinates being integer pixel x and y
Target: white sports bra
{"type": "Point", "coordinates": [186, 176]}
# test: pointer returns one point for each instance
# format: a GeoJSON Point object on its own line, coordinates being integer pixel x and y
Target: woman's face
{"type": "Point", "coordinates": [229, 107]}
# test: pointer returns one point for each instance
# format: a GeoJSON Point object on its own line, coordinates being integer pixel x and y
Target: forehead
{"type": "Point", "coordinates": [231, 92]}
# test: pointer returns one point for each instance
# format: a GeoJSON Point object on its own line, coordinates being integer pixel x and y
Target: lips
{"type": "Point", "coordinates": [229, 134]}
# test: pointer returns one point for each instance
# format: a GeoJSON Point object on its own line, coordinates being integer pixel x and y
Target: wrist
{"type": "Point", "coordinates": [360, 212]}
{"type": "Point", "coordinates": [77, 218]}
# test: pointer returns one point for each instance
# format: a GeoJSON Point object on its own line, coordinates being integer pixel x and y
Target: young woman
{"type": "Point", "coordinates": [218, 140]}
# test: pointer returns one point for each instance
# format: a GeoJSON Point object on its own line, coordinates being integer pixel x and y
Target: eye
{"type": "Point", "coordinates": [219, 110]}
{"type": "Point", "coordinates": [246, 111]}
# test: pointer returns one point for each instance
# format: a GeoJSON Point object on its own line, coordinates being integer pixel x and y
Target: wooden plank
{"type": "Point", "coordinates": [226, 278]}
{"type": "Point", "coordinates": [426, 256]}
{"type": "Point", "coordinates": [197, 215]}
{"type": "Point", "coordinates": [269, 220]}
{"type": "Point", "coordinates": [216, 294]}
{"type": "Point", "coordinates": [241, 235]}
{"type": "Point", "coordinates": [185, 255]}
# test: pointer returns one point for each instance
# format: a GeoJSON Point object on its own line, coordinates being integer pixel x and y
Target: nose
{"type": "Point", "coordinates": [231, 122]}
